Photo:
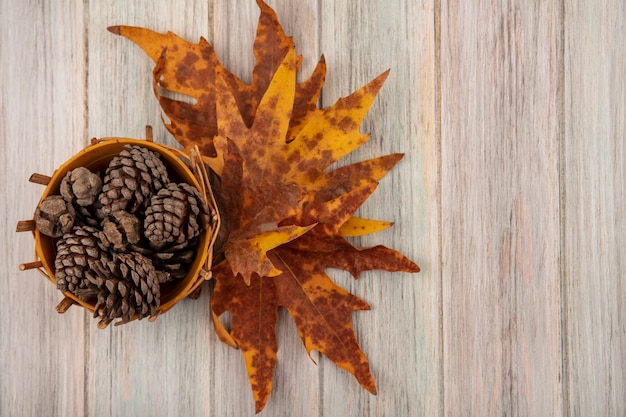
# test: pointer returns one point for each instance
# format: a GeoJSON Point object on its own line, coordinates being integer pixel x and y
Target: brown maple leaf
{"type": "Point", "coordinates": [285, 216]}
{"type": "Point", "coordinates": [189, 69]}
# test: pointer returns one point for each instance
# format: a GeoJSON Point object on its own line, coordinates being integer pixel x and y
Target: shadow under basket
{"type": "Point", "coordinates": [181, 168]}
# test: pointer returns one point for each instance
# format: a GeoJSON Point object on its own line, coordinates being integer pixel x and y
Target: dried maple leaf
{"type": "Point", "coordinates": [187, 68]}
{"type": "Point", "coordinates": [285, 217]}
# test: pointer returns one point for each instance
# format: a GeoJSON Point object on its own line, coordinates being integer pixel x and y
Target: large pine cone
{"type": "Point", "coordinates": [172, 261]}
{"type": "Point", "coordinates": [130, 287]}
{"type": "Point", "coordinates": [176, 214]}
{"type": "Point", "coordinates": [130, 180]}
{"type": "Point", "coordinates": [79, 255]}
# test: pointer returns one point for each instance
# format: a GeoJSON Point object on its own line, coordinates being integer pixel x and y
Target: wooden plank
{"type": "Point", "coordinates": [42, 92]}
{"type": "Point", "coordinates": [296, 378]}
{"type": "Point", "coordinates": [500, 208]}
{"type": "Point", "coordinates": [121, 100]}
{"type": "Point", "coordinates": [594, 203]}
{"type": "Point", "coordinates": [401, 334]}
{"type": "Point", "coordinates": [162, 368]}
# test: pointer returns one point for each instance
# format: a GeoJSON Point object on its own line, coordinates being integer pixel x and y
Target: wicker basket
{"type": "Point", "coordinates": [181, 168]}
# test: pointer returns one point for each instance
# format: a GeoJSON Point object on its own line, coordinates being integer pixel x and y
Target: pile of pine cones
{"type": "Point", "coordinates": [122, 233]}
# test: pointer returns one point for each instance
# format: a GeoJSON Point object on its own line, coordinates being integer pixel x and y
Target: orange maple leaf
{"type": "Point", "coordinates": [285, 216]}
{"type": "Point", "coordinates": [187, 68]}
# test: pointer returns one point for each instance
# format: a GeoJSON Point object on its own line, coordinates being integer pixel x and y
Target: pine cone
{"type": "Point", "coordinates": [80, 255]}
{"type": "Point", "coordinates": [119, 229]}
{"type": "Point", "coordinates": [55, 216]}
{"type": "Point", "coordinates": [176, 214]}
{"type": "Point", "coordinates": [131, 287]}
{"type": "Point", "coordinates": [130, 180]}
{"type": "Point", "coordinates": [173, 261]}
{"type": "Point", "coordinates": [88, 216]}
{"type": "Point", "coordinates": [81, 186]}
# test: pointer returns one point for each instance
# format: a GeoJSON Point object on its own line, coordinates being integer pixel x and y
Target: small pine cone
{"type": "Point", "coordinates": [176, 214]}
{"type": "Point", "coordinates": [80, 255]}
{"type": "Point", "coordinates": [119, 229]}
{"type": "Point", "coordinates": [81, 186]}
{"type": "Point", "coordinates": [55, 216]}
{"type": "Point", "coordinates": [131, 288]}
{"type": "Point", "coordinates": [130, 180]}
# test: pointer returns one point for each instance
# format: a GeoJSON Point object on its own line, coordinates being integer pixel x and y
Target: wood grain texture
{"type": "Point", "coordinates": [163, 368]}
{"type": "Point", "coordinates": [500, 205]}
{"type": "Point", "coordinates": [510, 197]}
{"type": "Point", "coordinates": [400, 335]}
{"type": "Point", "coordinates": [595, 203]}
{"type": "Point", "coordinates": [121, 101]}
{"type": "Point", "coordinates": [43, 73]}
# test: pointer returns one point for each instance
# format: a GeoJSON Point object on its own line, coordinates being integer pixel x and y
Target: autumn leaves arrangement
{"type": "Point", "coordinates": [285, 213]}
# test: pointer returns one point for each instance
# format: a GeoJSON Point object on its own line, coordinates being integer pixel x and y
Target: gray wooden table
{"type": "Point", "coordinates": [511, 197]}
